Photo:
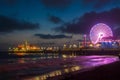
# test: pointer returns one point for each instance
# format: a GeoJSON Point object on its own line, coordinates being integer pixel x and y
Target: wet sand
{"type": "Point", "coordinates": [104, 72]}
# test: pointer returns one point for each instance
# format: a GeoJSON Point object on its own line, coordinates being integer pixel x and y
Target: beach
{"type": "Point", "coordinates": [56, 69]}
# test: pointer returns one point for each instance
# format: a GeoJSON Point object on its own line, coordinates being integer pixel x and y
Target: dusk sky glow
{"type": "Point", "coordinates": [54, 21]}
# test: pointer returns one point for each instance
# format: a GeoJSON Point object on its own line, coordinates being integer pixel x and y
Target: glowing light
{"type": "Point", "coordinates": [91, 45]}
{"type": "Point", "coordinates": [64, 56]}
{"type": "Point", "coordinates": [24, 47]}
{"type": "Point", "coordinates": [64, 46]}
{"type": "Point", "coordinates": [66, 70]}
{"type": "Point", "coordinates": [99, 31]}
{"type": "Point", "coordinates": [74, 46]}
{"type": "Point", "coordinates": [97, 45]}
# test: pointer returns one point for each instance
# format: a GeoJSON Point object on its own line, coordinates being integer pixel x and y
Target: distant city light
{"type": "Point", "coordinates": [99, 31]}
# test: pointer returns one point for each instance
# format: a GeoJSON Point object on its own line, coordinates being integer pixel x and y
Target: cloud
{"type": "Point", "coordinates": [49, 36]}
{"type": "Point", "coordinates": [55, 19]}
{"type": "Point", "coordinates": [85, 22]}
{"type": "Point", "coordinates": [56, 3]}
{"type": "Point", "coordinates": [9, 25]}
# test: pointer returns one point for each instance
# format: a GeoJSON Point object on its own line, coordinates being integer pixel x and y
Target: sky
{"type": "Point", "coordinates": [44, 22]}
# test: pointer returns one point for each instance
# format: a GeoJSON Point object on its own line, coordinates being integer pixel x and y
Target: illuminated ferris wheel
{"type": "Point", "coordinates": [99, 31]}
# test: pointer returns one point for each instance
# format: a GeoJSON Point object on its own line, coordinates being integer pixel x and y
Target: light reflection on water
{"type": "Point", "coordinates": [30, 59]}
{"type": "Point", "coordinates": [55, 73]}
{"type": "Point", "coordinates": [36, 58]}
{"type": "Point", "coordinates": [55, 65]}
{"type": "Point", "coordinates": [78, 63]}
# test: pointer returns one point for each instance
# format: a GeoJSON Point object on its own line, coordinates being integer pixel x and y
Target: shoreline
{"type": "Point", "coordinates": [104, 72]}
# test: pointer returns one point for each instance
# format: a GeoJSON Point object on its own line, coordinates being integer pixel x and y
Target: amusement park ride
{"type": "Point", "coordinates": [100, 31]}
{"type": "Point", "coordinates": [102, 34]}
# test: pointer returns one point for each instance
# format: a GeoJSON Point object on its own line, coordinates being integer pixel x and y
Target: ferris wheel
{"type": "Point", "coordinates": [99, 31]}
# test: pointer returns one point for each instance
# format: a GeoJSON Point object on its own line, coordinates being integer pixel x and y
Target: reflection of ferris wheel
{"type": "Point", "coordinates": [99, 31]}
